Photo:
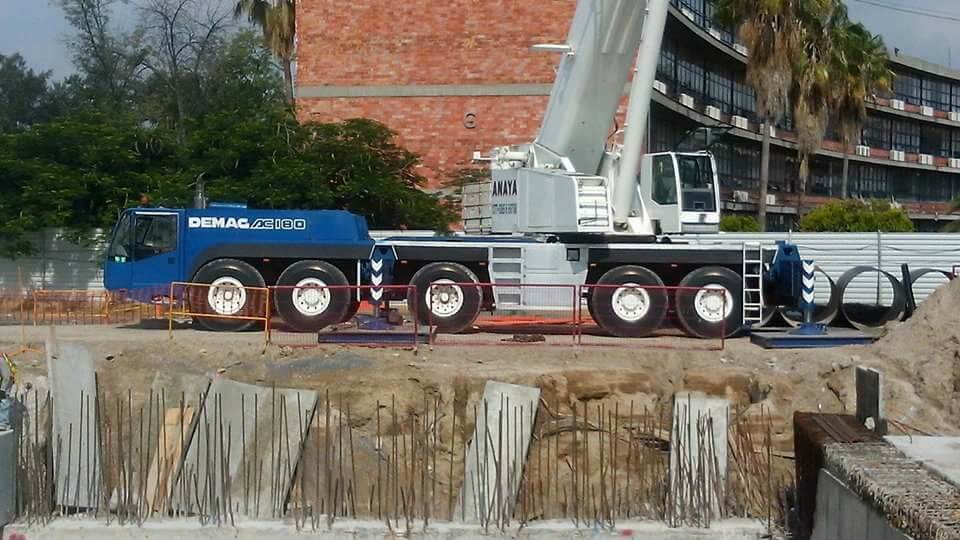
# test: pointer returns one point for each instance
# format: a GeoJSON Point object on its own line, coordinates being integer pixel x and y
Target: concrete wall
{"type": "Point", "coordinates": [58, 264]}
{"type": "Point", "coordinates": [840, 513]}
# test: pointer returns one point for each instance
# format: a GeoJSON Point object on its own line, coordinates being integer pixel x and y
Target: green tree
{"type": "Point", "coordinates": [771, 32]}
{"type": "Point", "coordinates": [739, 223]}
{"type": "Point", "coordinates": [859, 70]}
{"type": "Point", "coordinates": [854, 215]}
{"type": "Point", "coordinates": [953, 226]}
{"type": "Point", "coordinates": [23, 94]}
{"type": "Point", "coordinates": [277, 22]}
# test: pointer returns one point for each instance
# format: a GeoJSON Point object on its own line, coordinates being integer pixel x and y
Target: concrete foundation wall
{"type": "Point", "coordinates": [841, 513]}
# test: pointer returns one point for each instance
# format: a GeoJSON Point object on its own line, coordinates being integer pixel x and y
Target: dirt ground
{"type": "Point", "coordinates": [922, 383]}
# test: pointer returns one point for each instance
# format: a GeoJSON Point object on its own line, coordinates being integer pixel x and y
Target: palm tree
{"type": "Point", "coordinates": [859, 70]}
{"type": "Point", "coordinates": [771, 32]}
{"type": "Point", "coordinates": [810, 94]}
{"type": "Point", "coordinates": [277, 19]}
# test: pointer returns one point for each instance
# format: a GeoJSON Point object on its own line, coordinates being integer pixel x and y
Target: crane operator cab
{"type": "Point", "coordinates": [680, 192]}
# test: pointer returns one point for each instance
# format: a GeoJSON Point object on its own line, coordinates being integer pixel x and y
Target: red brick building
{"type": "Point", "coordinates": [450, 77]}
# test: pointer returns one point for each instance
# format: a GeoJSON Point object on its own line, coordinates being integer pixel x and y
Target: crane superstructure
{"type": "Point", "coordinates": [577, 177]}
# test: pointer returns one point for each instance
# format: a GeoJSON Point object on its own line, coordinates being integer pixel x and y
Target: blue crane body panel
{"type": "Point", "coordinates": [153, 247]}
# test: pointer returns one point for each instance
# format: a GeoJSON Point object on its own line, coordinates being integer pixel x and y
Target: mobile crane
{"type": "Point", "coordinates": [570, 208]}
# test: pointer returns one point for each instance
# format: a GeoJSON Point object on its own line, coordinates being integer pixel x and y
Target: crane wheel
{"type": "Point", "coordinates": [226, 296]}
{"type": "Point", "coordinates": [712, 304]}
{"type": "Point", "coordinates": [630, 301]}
{"type": "Point", "coordinates": [442, 299]}
{"type": "Point", "coordinates": [311, 295]}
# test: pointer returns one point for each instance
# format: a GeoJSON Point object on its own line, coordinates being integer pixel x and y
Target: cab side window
{"type": "Point", "coordinates": [155, 235]}
{"type": "Point", "coordinates": [664, 180]}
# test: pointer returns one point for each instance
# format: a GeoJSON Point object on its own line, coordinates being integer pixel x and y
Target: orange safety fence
{"type": "Point", "coordinates": [502, 312]}
{"type": "Point", "coordinates": [63, 307]}
{"type": "Point", "coordinates": [345, 314]}
{"type": "Point", "coordinates": [222, 306]}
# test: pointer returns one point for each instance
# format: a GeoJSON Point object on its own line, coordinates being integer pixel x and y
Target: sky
{"type": "Point", "coordinates": [37, 30]}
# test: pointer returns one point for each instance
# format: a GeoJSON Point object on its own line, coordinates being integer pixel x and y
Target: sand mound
{"type": "Point", "coordinates": [927, 349]}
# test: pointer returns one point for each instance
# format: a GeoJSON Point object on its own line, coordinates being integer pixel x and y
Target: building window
{"type": "Point", "coordinates": [876, 132]}
{"type": "Point", "coordinates": [872, 183]}
{"type": "Point", "coordinates": [690, 77]}
{"type": "Point", "coordinates": [907, 88]}
{"type": "Point", "coordinates": [719, 89]}
{"type": "Point", "coordinates": [936, 94]}
{"type": "Point", "coordinates": [934, 140]}
{"type": "Point", "coordinates": [746, 168]}
{"type": "Point", "coordinates": [906, 136]}
{"type": "Point", "coordinates": [667, 65]}
{"type": "Point", "coordinates": [744, 102]}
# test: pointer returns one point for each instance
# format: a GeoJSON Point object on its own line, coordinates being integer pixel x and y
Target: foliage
{"type": "Point", "coordinates": [854, 215]}
{"type": "Point", "coordinates": [80, 169]}
{"type": "Point", "coordinates": [277, 22]}
{"type": "Point", "coordinates": [24, 96]}
{"type": "Point", "coordinates": [739, 223]}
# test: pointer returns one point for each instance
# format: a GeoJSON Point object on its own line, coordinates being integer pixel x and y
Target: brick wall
{"type": "Point", "coordinates": [376, 43]}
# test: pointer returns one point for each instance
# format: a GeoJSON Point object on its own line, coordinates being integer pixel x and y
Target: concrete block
{"type": "Point", "coordinates": [698, 458]}
{"type": "Point", "coordinates": [76, 447]}
{"type": "Point", "coordinates": [870, 399]}
{"type": "Point", "coordinates": [497, 452]}
{"type": "Point", "coordinates": [244, 449]}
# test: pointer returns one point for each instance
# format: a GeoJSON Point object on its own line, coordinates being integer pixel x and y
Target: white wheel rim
{"type": "Point", "coordinates": [713, 303]}
{"type": "Point", "coordinates": [226, 296]}
{"type": "Point", "coordinates": [630, 302]}
{"type": "Point", "coordinates": [444, 298]}
{"type": "Point", "coordinates": [311, 297]}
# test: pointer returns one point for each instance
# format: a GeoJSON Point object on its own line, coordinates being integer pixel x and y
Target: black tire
{"type": "Point", "coordinates": [469, 308]}
{"type": "Point", "coordinates": [219, 269]}
{"type": "Point", "coordinates": [728, 319]}
{"type": "Point", "coordinates": [306, 313]}
{"type": "Point", "coordinates": [652, 310]}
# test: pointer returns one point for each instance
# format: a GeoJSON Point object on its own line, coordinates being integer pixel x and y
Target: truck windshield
{"type": "Point", "coordinates": [696, 183]}
{"type": "Point", "coordinates": [121, 241]}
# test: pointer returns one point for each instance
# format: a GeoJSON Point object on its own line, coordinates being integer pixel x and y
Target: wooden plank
{"type": "Point", "coordinates": [163, 466]}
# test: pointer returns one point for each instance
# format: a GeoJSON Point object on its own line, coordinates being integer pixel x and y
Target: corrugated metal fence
{"type": "Point", "coordinates": [58, 264]}
{"type": "Point", "coordinates": [836, 253]}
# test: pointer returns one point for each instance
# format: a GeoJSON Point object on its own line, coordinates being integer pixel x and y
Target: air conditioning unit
{"type": "Point", "coordinates": [897, 104]}
{"type": "Point", "coordinates": [926, 111]}
{"type": "Point", "coordinates": [773, 131]}
{"type": "Point", "coordinates": [740, 122]}
{"type": "Point", "coordinates": [955, 116]}
{"type": "Point", "coordinates": [771, 200]}
{"type": "Point", "coordinates": [926, 159]}
{"type": "Point", "coordinates": [863, 150]}
{"type": "Point", "coordinates": [660, 86]}
{"type": "Point", "coordinates": [741, 196]}
{"type": "Point", "coordinates": [715, 33]}
{"type": "Point", "coordinates": [741, 48]}
{"type": "Point", "coordinates": [954, 163]}
{"type": "Point", "coordinates": [898, 155]}
{"type": "Point", "coordinates": [686, 100]}
{"type": "Point", "coordinates": [686, 12]}
{"type": "Point", "coordinates": [713, 112]}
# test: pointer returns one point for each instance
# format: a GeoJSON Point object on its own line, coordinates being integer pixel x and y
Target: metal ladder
{"type": "Point", "coordinates": [752, 299]}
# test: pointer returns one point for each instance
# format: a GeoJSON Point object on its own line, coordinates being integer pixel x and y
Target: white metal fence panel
{"type": "Point", "coordinates": [836, 253]}
{"type": "Point", "coordinates": [58, 264]}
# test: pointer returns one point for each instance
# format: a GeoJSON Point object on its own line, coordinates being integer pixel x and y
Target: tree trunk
{"type": "Point", "coordinates": [764, 177]}
{"type": "Point", "coordinates": [844, 189]}
{"type": "Point", "coordinates": [804, 176]}
{"type": "Point", "coordinates": [287, 79]}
